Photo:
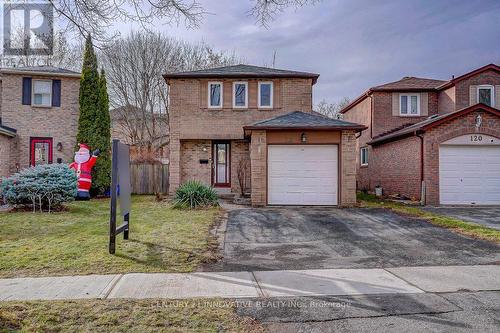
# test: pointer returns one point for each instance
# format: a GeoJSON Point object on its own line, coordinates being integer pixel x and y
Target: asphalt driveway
{"type": "Point", "coordinates": [487, 216]}
{"type": "Point", "coordinates": [305, 238]}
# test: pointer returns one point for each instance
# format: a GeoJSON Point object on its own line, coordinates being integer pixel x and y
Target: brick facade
{"type": "Point", "coordinates": [396, 165]}
{"type": "Point", "coordinates": [444, 132]}
{"type": "Point", "coordinates": [258, 163]}
{"type": "Point", "coordinates": [58, 123]}
{"type": "Point", "coordinates": [190, 119]}
{"type": "Point", "coordinates": [348, 169]}
{"type": "Point", "coordinates": [4, 155]}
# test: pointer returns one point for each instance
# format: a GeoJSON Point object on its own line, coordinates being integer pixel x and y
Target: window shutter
{"type": "Point", "coordinates": [497, 96]}
{"type": "Point", "coordinates": [56, 92]}
{"type": "Point", "coordinates": [424, 104]}
{"type": "Point", "coordinates": [395, 104]}
{"type": "Point", "coordinates": [472, 95]}
{"type": "Point", "coordinates": [26, 99]}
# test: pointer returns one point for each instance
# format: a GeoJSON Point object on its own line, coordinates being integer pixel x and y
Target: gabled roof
{"type": "Point", "coordinates": [9, 131]}
{"type": "Point", "coordinates": [303, 120]}
{"type": "Point", "coordinates": [40, 70]}
{"type": "Point", "coordinates": [453, 81]}
{"type": "Point", "coordinates": [410, 83]}
{"type": "Point", "coordinates": [429, 123]}
{"type": "Point", "coordinates": [241, 71]}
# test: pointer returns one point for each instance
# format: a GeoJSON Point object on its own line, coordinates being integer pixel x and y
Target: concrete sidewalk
{"type": "Point", "coordinates": [286, 283]}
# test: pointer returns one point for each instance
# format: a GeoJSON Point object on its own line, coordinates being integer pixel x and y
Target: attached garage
{"type": "Point", "coordinates": [302, 174]}
{"type": "Point", "coordinates": [469, 171]}
{"type": "Point", "coordinates": [303, 158]}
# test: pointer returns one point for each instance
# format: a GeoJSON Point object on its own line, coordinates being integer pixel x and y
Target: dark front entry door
{"type": "Point", "coordinates": [221, 173]}
{"type": "Point", "coordinates": [40, 151]}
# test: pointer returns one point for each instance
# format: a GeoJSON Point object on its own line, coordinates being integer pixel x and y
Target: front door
{"type": "Point", "coordinates": [40, 151]}
{"type": "Point", "coordinates": [221, 173]}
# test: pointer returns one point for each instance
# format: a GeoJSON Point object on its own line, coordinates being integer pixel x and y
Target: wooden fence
{"type": "Point", "coordinates": [149, 178]}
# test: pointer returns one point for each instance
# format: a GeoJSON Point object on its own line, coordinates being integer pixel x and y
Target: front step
{"type": "Point", "coordinates": [225, 193]}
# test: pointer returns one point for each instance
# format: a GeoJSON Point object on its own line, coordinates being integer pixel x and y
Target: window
{"type": "Point", "coordinates": [485, 95]}
{"type": "Point", "coordinates": [215, 95]}
{"type": "Point", "coordinates": [409, 105]}
{"type": "Point", "coordinates": [240, 95]}
{"type": "Point", "coordinates": [364, 156]}
{"type": "Point", "coordinates": [42, 93]}
{"type": "Point", "coordinates": [265, 95]}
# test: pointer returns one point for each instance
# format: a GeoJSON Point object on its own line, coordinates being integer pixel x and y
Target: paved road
{"type": "Point", "coordinates": [487, 216]}
{"type": "Point", "coordinates": [308, 238]}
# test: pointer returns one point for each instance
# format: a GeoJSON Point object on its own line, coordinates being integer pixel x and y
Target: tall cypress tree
{"type": "Point", "coordinates": [93, 122]}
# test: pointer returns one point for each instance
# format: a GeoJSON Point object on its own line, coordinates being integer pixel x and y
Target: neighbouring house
{"type": "Point", "coordinates": [253, 127]}
{"type": "Point", "coordinates": [146, 134]}
{"type": "Point", "coordinates": [38, 116]}
{"type": "Point", "coordinates": [432, 140]}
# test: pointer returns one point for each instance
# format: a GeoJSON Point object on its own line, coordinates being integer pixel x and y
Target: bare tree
{"type": "Point", "coordinates": [138, 93]}
{"type": "Point", "coordinates": [97, 16]}
{"type": "Point", "coordinates": [331, 110]}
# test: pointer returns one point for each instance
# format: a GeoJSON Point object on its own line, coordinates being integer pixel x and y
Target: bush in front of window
{"type": "Point", "coordinates": [193, 194]}
{"type": "Point", "coordinates": [44, 187]}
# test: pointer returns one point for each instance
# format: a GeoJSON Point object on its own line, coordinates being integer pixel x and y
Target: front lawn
{"type": "Point", "coordinates": [124, 316]}
{"type": "Point", "coordinates": [462, 227]}
{"type": "Point", "coordinates": [75, 241]}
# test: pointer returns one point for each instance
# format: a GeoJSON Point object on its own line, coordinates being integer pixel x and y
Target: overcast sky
{"type": "Point", "coordinates": [358, 44]}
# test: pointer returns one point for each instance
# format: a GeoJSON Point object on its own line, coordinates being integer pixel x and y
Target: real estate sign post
{"type": "Point", "coordinates": [120, 191]}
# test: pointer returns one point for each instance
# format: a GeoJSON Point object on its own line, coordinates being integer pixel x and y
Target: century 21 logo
{"type": "Point", "coordinates": [28, 28]}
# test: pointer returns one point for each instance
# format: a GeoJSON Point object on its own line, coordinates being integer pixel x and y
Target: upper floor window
{"type": "Point", "coordinates": [42, 93]}
{"type": "Point", "coordinates": [485, 95]}
{"type": "Point", "coordinates": [409, 104]}
{"type": "Point", "coordinates": [240, 94]}
{"type": "Point", "coordinates": [265, 95]}
{"type": "Point", "coordinates": [215, 95]}
{"type": "Point", "coordinates": [363, 156]}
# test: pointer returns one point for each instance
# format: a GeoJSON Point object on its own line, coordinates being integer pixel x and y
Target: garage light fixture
{"type": "Point", "coordinates": [303, 137]}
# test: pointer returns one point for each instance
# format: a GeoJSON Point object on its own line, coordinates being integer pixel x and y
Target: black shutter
{"type": "Point", "coordinates": [56, 92]}
{"type": "Point", "coordinates": [26, 91]}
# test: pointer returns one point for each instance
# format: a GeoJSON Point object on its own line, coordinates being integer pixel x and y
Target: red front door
{"type": "Point", "coordinates": [40, 151]}
{"type": "Point", "coordinates": [221, 167]}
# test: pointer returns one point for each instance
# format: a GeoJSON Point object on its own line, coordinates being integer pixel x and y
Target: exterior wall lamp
{"type": "Point", "coordinates": [59, 146]}
{"type": "Point", "coordinates": [303, 138]}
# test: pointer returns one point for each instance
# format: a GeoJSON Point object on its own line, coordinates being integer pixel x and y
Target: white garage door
{"type": "Point", "coordinates": [469, 175]}
{"type": "Point", "coordinates": [302, 175]}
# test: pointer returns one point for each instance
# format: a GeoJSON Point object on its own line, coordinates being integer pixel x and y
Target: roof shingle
{"type": "Point", "coordinates": [303, 120]}
{"type": "Point", "coordinates": [410, 83]}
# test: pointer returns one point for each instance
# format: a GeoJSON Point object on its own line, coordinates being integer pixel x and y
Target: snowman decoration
{"type": "Point", "coordinates": [83, 165]}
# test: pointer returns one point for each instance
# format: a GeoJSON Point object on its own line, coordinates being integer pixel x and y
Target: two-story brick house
{"type": "Point", "coordinates": [255, 126]}
{"type": "Point", "coordinates": [38, 116]}
{"type": "Point", "coordinates": [432, 140]}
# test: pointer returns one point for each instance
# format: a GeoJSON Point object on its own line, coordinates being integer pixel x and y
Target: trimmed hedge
{"type": "Point", "coordinates": [45, 187]}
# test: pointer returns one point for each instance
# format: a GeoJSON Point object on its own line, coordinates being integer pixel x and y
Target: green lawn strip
{"type": "Point", "coordinates": [124, 316]}
{"type": "Point", "coordinates": [460, 226]}
{"type": "Point", "coordinates": [75, 241]}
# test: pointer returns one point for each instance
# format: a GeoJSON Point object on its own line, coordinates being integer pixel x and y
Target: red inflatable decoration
{"type": "Point", "coordinates": [83, 165]}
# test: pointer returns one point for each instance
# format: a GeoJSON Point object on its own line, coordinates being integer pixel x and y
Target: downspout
{"type": "Point", "coordinates": [371, 116]}
{"type": "Point", "coordinates": [422, 181]}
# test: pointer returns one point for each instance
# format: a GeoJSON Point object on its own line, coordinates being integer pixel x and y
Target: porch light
{"type": "Point", "coordinates": [303, 137]}
{"type": "Point", "coordinates": [59, 146]}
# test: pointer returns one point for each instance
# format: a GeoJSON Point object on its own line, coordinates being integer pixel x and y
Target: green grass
{"type": "Point", "coordinates": [462, 227]}
{"type": "Point", "coordinates": [121, 316]}
{"type": "Point", "coordinates": [75, 241]}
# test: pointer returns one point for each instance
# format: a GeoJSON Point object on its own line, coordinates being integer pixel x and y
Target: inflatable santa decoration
{"type": "Point", "coordinates": [83, 165]}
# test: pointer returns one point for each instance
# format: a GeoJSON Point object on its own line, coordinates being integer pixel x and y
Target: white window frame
{"type": "Point", "coordinates": [221, 95]}
{"type": "Point", "coordinates": [272, 95]}
{"type": "Point", "coordinates": [492, 92]}
{"type": "Point", "coordinates": [33, 93]}
{"type": "Point", "coordinates": [408, 105]}
{"type": "Point", "coordinates": [361, 156]}
{"type": "Point", "coordinates": [246, 95]}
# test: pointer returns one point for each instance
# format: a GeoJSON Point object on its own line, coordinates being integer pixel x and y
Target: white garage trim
{"type": "Point", "coordinates": [302, 174]}
{"type": "Point", "coordinates": [469, 170]}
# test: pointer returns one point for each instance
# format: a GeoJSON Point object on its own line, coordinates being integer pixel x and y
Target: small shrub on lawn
{"type": "Point", "coordinates": [45, 187]}
{"type": "Point", "coordinates": [194, 194]}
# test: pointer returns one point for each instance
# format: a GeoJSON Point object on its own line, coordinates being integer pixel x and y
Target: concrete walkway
{"type": "Point", "coordinates": [286, 283]}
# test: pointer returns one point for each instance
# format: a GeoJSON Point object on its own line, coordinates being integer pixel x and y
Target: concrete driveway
{"type": "Point", "coordinates": [487, 216]}
{"type": "Point", "coordinates": [304, 238]}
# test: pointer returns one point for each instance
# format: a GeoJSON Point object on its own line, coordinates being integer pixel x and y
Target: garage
{"type": "Point", "coordinates": [470, 174]}
{"type": "Point", "coordinates": [302, 174]}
